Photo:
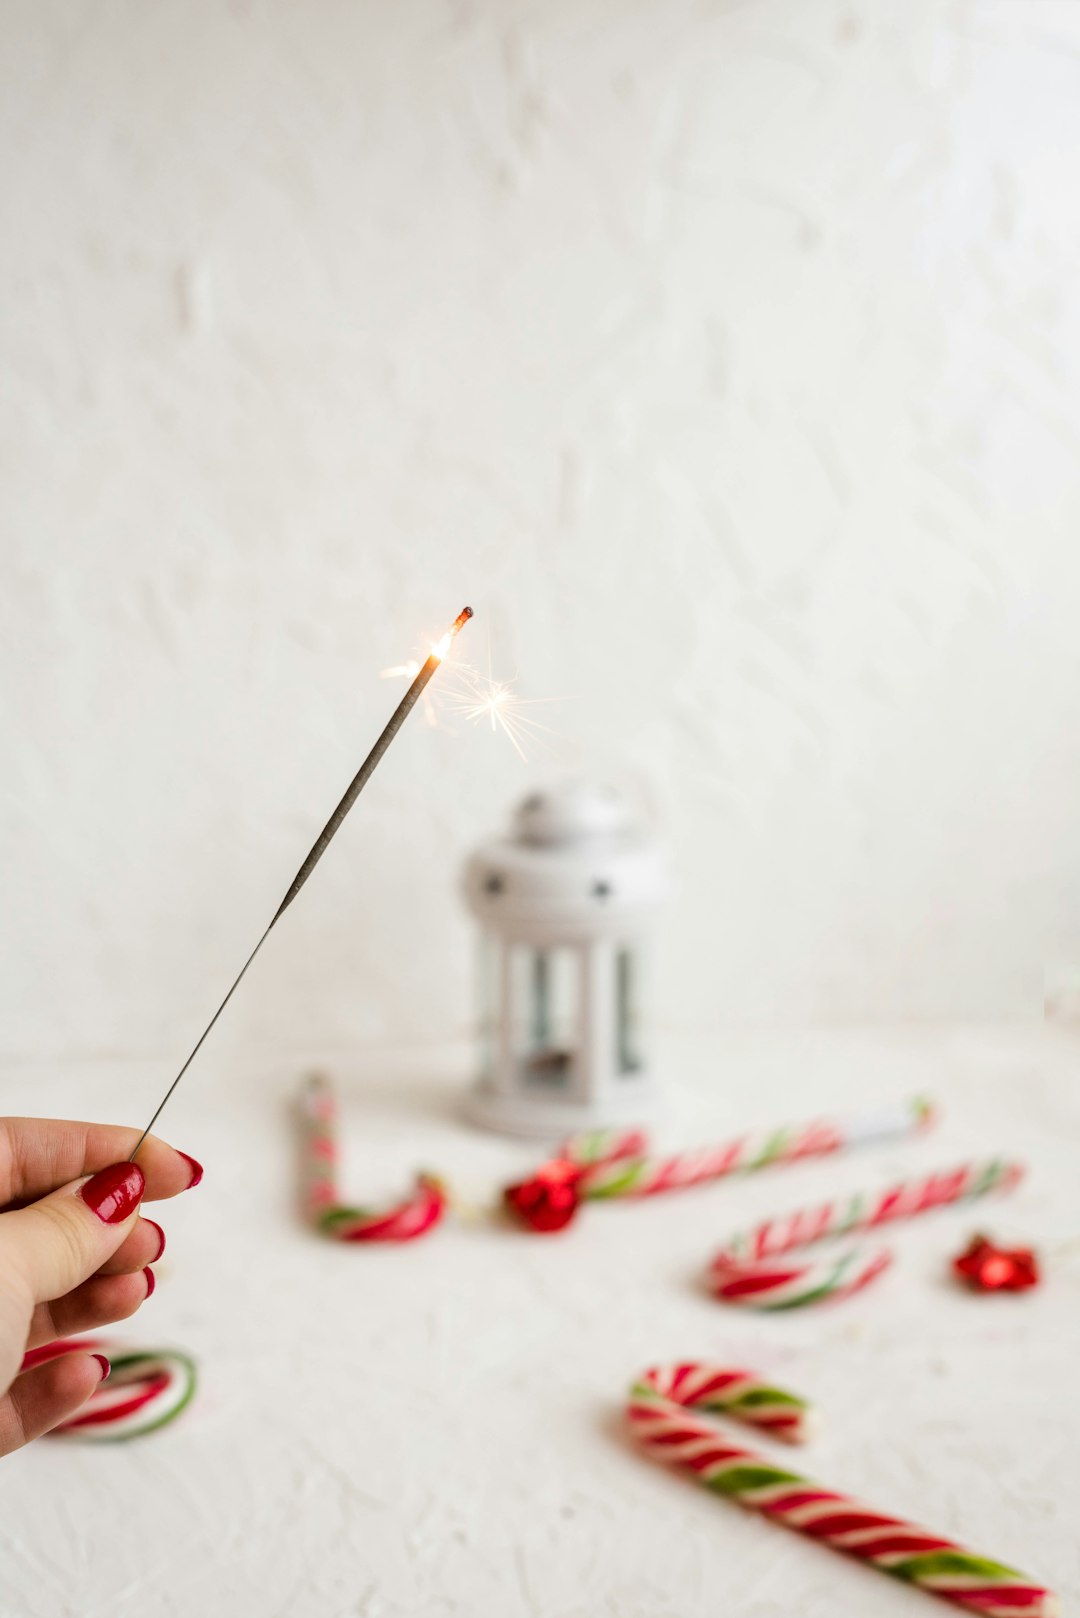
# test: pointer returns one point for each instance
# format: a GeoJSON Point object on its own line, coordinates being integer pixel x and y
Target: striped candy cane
{"type": "Point", "coordinates": [145, 1389]}
{"type": "Point", "coordinates": [413, 1217]}
{"type": "Point", "coordinates": [747, 1271]}
{"type": "Point", "coordinates": [667, 1415]}
{"type": "Point", "coordinates": [613, 1163]}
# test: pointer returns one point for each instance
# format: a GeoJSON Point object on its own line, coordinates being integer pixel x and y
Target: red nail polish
{"type": "Point", "coordinates": [196, 1170]}
{"type": "Point", "coordinates": [115, 1192]}
{"type": "Point", "coordinates": [160, 1236]}
{"type": "Point", "coordinates": [103, 1362]}
{"type": "Point", "coordinates": [150, 1282]}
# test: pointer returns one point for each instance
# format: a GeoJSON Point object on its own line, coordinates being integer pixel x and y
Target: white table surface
{"type": "Point", "coordinates": [394, 1432]}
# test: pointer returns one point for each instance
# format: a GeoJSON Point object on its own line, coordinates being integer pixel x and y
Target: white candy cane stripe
{"type": "Point", "coordinates": [751, 1270]}
{"type": "Point", "coordinates": [319, 1122]}
{"type": "Point", "coordinates": [145, 1389]}
{"type": "Point", "coordinates": [665, 1415]}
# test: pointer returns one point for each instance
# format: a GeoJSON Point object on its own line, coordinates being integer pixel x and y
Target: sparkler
{"type": "Point", "coordinates": [419, 680]}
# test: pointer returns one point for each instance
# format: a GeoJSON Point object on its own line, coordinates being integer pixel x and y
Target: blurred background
{"type": "Point", "coordinates": [724, 357]}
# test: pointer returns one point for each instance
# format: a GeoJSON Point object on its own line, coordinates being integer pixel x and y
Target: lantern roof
{"type": "Point", "coordinates": [578, 864]}
{"type": "Point", "coordinates": [572, 813]}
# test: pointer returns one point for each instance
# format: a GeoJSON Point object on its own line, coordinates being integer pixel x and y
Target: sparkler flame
{"type": "Point", "coordinates": [437, 650]}
{"type": "Point", "coordinates": [441, 647]}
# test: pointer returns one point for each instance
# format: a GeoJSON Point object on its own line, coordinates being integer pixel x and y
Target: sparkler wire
{"type": "Point", "coordinates": [325, 837]}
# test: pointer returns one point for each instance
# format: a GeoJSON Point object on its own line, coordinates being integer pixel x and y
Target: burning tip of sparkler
{"type": "Point", "coordinates": [441, 647]}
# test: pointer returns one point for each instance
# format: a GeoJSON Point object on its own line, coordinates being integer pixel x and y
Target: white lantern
{"type": "Point", "coordinates": [565, 903]}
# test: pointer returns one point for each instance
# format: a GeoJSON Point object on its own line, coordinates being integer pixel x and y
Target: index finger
{"type": "Point", "coordinates": [39, 1154]}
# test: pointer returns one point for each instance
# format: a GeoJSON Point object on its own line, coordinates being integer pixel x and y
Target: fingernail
{"type": "Point", "coordinates": [196, 1170]}
{"type": "Point", "coordinates": [150, 1282]}
{"type": "Point", "coordinates": [103, 1362]}
{"type": "Point", "coordinates": [115, 1192]}
{"type": "Point", "coordinates": [160, 1236]}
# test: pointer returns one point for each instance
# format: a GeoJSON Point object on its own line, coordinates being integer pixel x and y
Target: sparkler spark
{"type": "Point", "coordinates": [478, 697]}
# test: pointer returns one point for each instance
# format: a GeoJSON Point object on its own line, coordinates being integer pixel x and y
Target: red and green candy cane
{"type": "Point", "coordinates": [404, 1221]}
{"type": "Point", "coordinates": [756, 1269]}
{"type": "Point", "coordinates": [607, 1165]}
{"type": "Point", "coordinates": [146, 1388]}
{"type": "Point", "coordinates": [670, 1413]}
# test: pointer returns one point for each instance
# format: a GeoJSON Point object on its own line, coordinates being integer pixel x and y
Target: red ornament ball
{"type": "Point", "coordinates": [987, 1268]}
{"type": "Point", "coordinates": [549, 1200]}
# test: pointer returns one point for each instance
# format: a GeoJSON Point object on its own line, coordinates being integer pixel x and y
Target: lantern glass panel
{"type": "Point", "coordinates": [628, 992]}
{"type": "Point", "coordinates": [551, 994]}
{"type": "Point", "coordinates": [487, 1008]}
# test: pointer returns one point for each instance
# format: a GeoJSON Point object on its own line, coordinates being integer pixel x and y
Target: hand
{"type": "Point", "coordinates": [74, 1254]}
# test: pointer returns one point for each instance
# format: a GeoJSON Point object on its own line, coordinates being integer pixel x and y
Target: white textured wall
{"type": "Point", "coordinates": [724, 356]}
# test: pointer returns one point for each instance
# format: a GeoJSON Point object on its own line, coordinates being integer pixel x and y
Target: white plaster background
{"type": "Point", "coordinates": [724, 356]}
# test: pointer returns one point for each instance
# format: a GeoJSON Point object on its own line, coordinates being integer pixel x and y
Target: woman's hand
{"type": "Point", "coordinates": [74, 1254]}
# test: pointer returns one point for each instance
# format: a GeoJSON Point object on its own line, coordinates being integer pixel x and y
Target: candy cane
{"type": "Point", "coordinates": [746, 1272]}
{"type": "Point", "coordinates": [145, 1389]}
{"type": "Point", "coordinates": [664, 1415]}
{"type": "Point", "coordinates": [613, 1170]}
{"type": "Point", "coordinates": [612, 1163]}
{"type": "Point", "coordinates": [413, 1217]}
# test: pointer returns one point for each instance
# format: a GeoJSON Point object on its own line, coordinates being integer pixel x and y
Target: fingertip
{"type": "Point", "coordinates": [195, 1168]}
{"type": "Point", "coordinates": [168, 1170]}
{"type": "Point", "coordinates": [100, 1301]}
{"type": "Point", "coordinates": [70, 1380]}
{"type": "Point", "coordinates": [47, 1395]}
{"type": "Point", "coordinates": [105, 1298]}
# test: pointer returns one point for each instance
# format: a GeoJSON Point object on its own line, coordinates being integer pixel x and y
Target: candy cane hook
{"type": "Point", "coordinates": [404, 1222]}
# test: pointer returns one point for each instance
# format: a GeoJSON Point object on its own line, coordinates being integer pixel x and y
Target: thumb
{"type": "Point", "coordinates": [62, 1239]}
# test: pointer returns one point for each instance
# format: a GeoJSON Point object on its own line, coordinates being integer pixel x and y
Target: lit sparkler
{"type": "Point", "coordinates": [419, 677]}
